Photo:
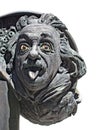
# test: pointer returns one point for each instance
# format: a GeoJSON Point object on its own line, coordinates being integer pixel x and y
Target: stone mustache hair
{"type": "Point", "coordinates": [40, 101]}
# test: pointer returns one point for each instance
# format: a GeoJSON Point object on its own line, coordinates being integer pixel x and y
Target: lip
{"type": "Point", "coordinates": [34, 71]}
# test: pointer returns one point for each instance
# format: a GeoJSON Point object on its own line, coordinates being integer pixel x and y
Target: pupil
{"type": "Point", "coordinates": [24, 47]}
{"type": "Point", "coordinates": [46, 47]}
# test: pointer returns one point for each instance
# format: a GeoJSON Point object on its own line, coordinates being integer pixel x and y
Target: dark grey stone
{"type": "Point", "coordinates": [4, 106]}
{"type": "Point", "coordinates": [39, 69]}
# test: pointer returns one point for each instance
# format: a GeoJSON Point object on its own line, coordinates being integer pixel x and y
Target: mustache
{"type": "Point", "coordinates": [36, 64]}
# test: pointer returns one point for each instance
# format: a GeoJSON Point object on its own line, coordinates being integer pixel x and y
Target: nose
{"type": "Point", "coordinates": [33, 54]}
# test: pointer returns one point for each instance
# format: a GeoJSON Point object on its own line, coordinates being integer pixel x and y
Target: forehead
{"type": "Point", "coordinates": [39, 29]}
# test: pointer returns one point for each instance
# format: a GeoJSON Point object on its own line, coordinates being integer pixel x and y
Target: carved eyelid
{"type": "Point", "coordinates": [24, 40]}
{"type": "Point", "coordinates": [24, 43]}
{"type": "Point", "coordinates": [46, 40]}
{"type": "Point", "coordinates": [48, 43]}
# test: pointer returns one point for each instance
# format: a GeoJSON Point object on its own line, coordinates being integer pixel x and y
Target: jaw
{"type": "Point", "coordinates": [32, 78]}
{"type": "Point", "coordinates": [35, 76]}
{"type": "Point", "coordinates": [35, 80]}
{"type": "Point", "coordinates": [33, 72]}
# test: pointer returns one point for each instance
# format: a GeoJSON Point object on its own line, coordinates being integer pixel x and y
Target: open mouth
{"type": "Point", "coordinates": [33, 72]}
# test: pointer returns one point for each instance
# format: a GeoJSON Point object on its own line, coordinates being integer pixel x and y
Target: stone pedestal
{"type": "Point", "coordinates": [9, 108]}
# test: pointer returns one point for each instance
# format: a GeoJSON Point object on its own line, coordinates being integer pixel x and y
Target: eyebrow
{"type": "Point", "coordinates": [23, 36]}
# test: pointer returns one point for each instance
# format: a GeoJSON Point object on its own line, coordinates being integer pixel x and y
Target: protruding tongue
{"type": "Point", "coordinates": [33, 75]}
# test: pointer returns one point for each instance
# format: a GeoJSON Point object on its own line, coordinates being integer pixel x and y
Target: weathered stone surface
{"type": "Point", "coordinates": [40, 62]}
{"type": "Point", "coordinates": [4, 106]}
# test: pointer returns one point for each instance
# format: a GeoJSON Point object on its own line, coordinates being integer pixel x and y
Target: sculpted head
{"type": "Point", "coordinates": [44, 49]}
{"type": "Point", "coordinates": [45, 65]}
{"type": "Point", "coordinates": [37, 55]}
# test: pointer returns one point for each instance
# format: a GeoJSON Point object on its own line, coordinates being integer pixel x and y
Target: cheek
{"type": "Point", "coordinates": [19, 63]}
{"type": "Point", "coordinates": [53, 62]}
{"type": "Point", "coordinates": [21, 58]}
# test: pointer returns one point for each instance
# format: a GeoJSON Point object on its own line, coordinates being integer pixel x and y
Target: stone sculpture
{"type": "Point", "coordinates": [39, 69]}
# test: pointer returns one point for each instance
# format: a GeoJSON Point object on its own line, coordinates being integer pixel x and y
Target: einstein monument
{"type": "Point", "coordinates": [39, 69]}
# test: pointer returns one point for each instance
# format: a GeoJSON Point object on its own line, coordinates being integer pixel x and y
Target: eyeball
{"type": "Point", "coordinates": [24, 47]}
{"type": "Point", "coordinates": [45, 47]}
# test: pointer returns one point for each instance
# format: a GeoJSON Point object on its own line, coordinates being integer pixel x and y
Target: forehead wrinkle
{"type": "Point", "coordinates": [36, 36]}
{"type": "Point", "coordinates": [37, 28]}
{"type": "Point", "coordinates": [28, 36]}
{"type": "Point", "coordinates": [37, 31]}
{"type": "Point", "coordinates": [46, 34]}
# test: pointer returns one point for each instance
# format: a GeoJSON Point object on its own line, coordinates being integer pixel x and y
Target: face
{"type": "Point", "coordinates": [37, 57]}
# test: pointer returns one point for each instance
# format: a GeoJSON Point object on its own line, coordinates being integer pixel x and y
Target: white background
{"type": "Point", "coordinates": [81, 18]}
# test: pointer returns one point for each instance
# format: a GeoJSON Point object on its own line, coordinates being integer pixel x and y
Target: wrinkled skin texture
{"type": "Point", "coordinates": [38, 61]}
{"type": "Point", "coordinates": [42, 65]}
{"type": "Point", "coordinates": [36, 57]}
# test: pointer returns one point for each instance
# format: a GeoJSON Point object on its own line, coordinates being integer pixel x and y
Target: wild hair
{"type": "Point", "coordinates": [68, 49]}
{"type": "Point", "coordinates": [58, 99]}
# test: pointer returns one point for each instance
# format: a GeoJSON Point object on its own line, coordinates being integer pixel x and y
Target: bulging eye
{"type": "Point", "coordinates": [24, 47]}
{"type": "Point", "coordinates": [46, 47]}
